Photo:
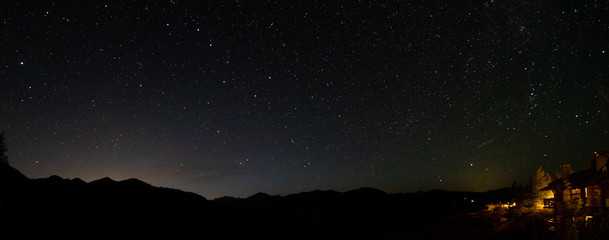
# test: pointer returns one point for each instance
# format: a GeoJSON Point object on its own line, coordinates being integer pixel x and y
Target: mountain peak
{"type": "Point", "coordinates": [105, 180]}
{"type": "Point", "coordinates": [259, 196]}
{"type": "Point", "coordinates": [78, 181]}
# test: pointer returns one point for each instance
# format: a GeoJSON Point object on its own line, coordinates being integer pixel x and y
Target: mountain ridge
{"type": "Point", "coordinates": [59, 208]}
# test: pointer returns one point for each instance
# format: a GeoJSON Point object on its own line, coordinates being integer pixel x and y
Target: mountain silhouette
{"type": "Point", "coordinates": [58, 208]}
{"type": "Point", "coordinates": [10, 175]}
{"type": "Point", "coordinates": [260, 197]}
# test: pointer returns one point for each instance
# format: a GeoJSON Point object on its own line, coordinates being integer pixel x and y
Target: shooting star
{"type": "Point", "coordinates": [487, 142]}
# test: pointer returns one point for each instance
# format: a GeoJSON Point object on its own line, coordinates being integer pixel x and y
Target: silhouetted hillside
{"type": "Point", "coordinates": [364, 213]}
{"type": "Point", "coordinates": [10, 176]}
{"type": "Point", "coordinates": [57, 208]}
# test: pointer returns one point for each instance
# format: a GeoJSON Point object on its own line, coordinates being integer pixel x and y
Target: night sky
{"type": "Point", "coordinates": [238, 97]}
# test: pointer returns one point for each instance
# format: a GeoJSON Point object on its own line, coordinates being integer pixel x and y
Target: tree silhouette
{"type": "Point", "coordinates": [3, 157]}
{"type": "Point", "coordinates": [539, 181]}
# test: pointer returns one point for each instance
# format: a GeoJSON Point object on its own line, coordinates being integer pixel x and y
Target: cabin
{"type": "Point", "coordinates": [587, 189]}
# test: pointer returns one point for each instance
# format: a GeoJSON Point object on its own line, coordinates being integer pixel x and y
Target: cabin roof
{"type": "Point", "coordinates": [579, 179]}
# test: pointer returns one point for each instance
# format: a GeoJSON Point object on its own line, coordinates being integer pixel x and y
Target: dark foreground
{"type": "Point", "coordinates": [56, 208]}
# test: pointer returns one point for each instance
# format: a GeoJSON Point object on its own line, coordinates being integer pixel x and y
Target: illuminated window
{"type": "Point", "coordinates": [586, 192]}
{"type": "Point", "coordinates": [576, 191]}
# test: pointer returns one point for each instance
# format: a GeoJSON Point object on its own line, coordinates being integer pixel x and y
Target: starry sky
{"type": "Point", "coordinates": [230, 98]}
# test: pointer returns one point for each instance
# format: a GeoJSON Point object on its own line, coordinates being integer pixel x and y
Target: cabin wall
{"type": "Point", "coordinates": [566, 193]}
{"type": "Point", "coordinates": [594, 198]}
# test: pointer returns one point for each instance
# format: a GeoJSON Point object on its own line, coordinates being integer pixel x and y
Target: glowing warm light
{"type": "Point", "coordinates": [588, 218]}
{"type": "Point", "coordinates": [586, 190]}
{"type": "Point", "coordinates": [494, 206]}
{"type": "Point", "coordinates": [541, 203]}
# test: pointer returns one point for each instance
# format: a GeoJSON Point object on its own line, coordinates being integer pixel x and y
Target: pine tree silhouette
{"type": "Point", "coordinates": [3, 157]}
